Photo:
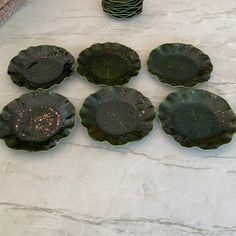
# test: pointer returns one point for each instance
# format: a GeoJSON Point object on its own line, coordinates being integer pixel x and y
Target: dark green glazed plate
{"type": "Point", "coordinates": [117, 115]}
{"type": "Point", "coordinates": [127, 13]}
{"type": "Point", "coordinates": [197, 118]}
{"type": "Point", "coordinates": [36, 121]}
{"type": "Point", "coordinates": [122, 2]}
{"type": "Point", "coordinates": [108, 64]}
{"type": "Point", "coordinates": [122, 9]}
{"type": "Point", "coordinates": [41, 67]}
{"type": "Point", "coordinates": [121, 5]}
{"type": "Point", "coordinates": [179, 64]}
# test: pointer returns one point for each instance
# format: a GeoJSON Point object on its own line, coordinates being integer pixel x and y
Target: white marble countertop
{"type": "Point", "coordinates": [150, 188]}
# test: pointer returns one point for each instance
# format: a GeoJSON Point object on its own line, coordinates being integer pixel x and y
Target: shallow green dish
{"type": "Point", "coordinates": [124, 9]}
{"type": "Point", "coordinates": [124, 15]}
{"type": "Point", "coordinates": [197, 118]}
{"type": "Point", "coordinates": [179, 64]}
{"type": "Point", "coordinates": [41, 67]}
{"type": "Point", "coordinates": [113, 6]}
{"type": "Point", "coordinates": [121, 3]}
{"type": "Point", "coordinates": [108, 64]}
{"type": "Point", "coordinates": [112, 3]}
{"type": "Point", "coordinates": [36, 121]}
{"type": "Point", "coordinates": [117, 115]}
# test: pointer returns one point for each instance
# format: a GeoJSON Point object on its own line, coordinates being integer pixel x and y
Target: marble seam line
{"type": "Point", "coordinates": [138, 154]}
{"type": "Point", "coordinates": [103, 221]}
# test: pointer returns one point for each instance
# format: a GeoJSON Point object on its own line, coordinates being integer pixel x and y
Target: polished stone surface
{"type": "Point", "coordinates": [152, 187]}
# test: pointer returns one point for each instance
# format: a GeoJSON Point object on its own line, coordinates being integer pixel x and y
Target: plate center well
{"type": "Point", "coordinates": [37, 124]}
{"type": "Point", "coordinates": [44, 70]}
{"type": "Point", "coordinates": [178, 67]}
{"type": "Point", "coordinates": [108, 69]}
{"type": "Point", "coordinates": [194, 121]}
{"type": "Point", "coordinates": [117, 117]}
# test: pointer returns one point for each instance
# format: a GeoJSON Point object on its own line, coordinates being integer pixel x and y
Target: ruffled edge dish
{"type": "Point", "coordinates": [202, 62]}
{"type": "Point", "coordinates": [131, 96]}
{"type": "Point", "coordinates": [88, 55]}
{"type": "Point", "coordinates": [223, 116]}
{"type": "Point", "coordinates": [8, 119]}
{"type": "Point", "coordinates": [17, 68]}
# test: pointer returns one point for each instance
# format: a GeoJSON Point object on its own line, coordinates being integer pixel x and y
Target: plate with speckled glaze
{"type": "Point", "coordinates": [195, 117]}
{"type": "Point", "coordinates": [179, 64]}
{"type": "Point", "coordinates": [108, 64]}
{"type": "Point", "coordinates": [117, 115]}
{"type": "Point", "coordinates": [41, 67]}
{"type": "Point", "coordinates": [36, 121]}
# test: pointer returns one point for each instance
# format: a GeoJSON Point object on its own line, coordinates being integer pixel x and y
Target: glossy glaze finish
{"type": "Point", "coordinates": [179, 64]}
{"type": "Point", "coordinates": [117, 115]}
{"type": "Point", "coordinates": [36, 121]}
{"type": "Point", "coordinates": [196, 117]}
{"type": "Point", "coordinates": [41, 67]}
{"type": "Point", "coordinates": [122, 9]}
{"type": "Point", "coordinates": [108, 64]}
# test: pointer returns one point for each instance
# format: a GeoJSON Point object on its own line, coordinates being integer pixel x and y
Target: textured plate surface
{"type": "Point", "coordinates": [122, 9]}
{"type": "Point", "coordinates": [41, 67]}
{"type": "Point", "coordinates": [108, 64]}
{"type": "Point", "coordinates": [179, 64]}
{"type": "Point", "coordinates": [197, 118]}
{"type": "Point", "coordinates": [124, 15]}
{"type": "Point", "coordinates": [122, 2]}
{"type": "Point", "coordinates": [117, 115]}
{"type": "Point", "coordinates": [36, 121]}
{"type": "Point", "coordinates": [121, 6]}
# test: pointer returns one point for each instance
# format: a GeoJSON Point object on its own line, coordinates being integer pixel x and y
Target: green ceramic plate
{"type": "Point", "coordinates": [41, 67]}
{"type": "Point", "coordinates": [117, 115]}
{"type": "Point", "coordinates": [121, 6]}
{"type": "Point", "coordinates": [36, 121]}
{"type": "Point", "coordinates": [197, 118]}
{"type": "Point", "coordinates": [108, 64]}
{"type": "Point", "coordinates": [123, 2]}
{"type": "Point", "coordinates": [124, 9]}
{"type": "Point", "coordinates": [124, 15]}
{"type": "Point", "coordinates": [179, 64]}
{"type": "Point", "coordinates": [120, 11]}
{"type": "Point", "coordinates": [120, 1]}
